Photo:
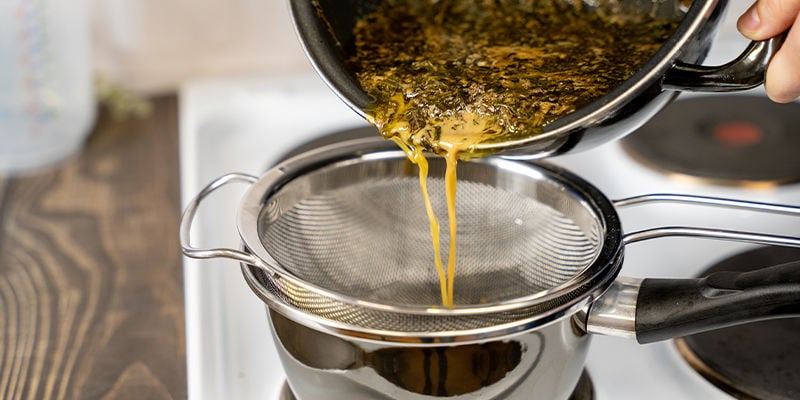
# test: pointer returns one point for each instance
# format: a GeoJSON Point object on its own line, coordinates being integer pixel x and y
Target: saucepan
{"type": "Point", "coordinates": [325, 29]}
{"type": "Point", "coordinates": [335, 241]}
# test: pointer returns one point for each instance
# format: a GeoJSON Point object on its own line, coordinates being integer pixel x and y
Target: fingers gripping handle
{"type": "Point", "coordinates": [189, 215]}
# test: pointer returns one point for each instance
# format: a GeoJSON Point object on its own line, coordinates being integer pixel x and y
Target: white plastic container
{"type": "Point", "coordinates": [47, 101]}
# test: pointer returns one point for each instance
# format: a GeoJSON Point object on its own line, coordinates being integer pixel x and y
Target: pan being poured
{"type": "Point", "coordinates": [465, 79]}
{"type": "Point", "coordinates": [329, 31]}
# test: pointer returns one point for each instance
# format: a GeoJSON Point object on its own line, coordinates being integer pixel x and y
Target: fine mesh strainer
{"type": "Point", "coordinates": [338, 238]}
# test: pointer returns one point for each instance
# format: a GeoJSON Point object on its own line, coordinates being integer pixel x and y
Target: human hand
{"type": "Point", "coordinates": [766, 19]}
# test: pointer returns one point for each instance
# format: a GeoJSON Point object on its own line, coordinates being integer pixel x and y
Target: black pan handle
{"type": "Point", "coordinates": [745, 72]}
{"type": "Point", "coordinates": [668, 308]}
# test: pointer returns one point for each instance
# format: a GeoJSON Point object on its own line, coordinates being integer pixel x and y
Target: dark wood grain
{"type": "Point", "coordinates": [91, 299]}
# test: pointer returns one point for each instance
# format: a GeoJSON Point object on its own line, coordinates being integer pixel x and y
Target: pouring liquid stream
{"type": "Point", "coordinates": [457, 137]}
{"type": "Point", "coordinates": [416, 156]}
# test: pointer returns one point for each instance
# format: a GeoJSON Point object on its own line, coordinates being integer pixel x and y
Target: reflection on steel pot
{"type": "Point", "coordinates": [335, 245]}
{"type": "Point", "coordinates": [324, 366]}
{"type": "Point", "coordinates": [325, 29]}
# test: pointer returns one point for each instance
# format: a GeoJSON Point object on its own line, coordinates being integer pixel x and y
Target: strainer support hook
{"type": "Point", "coordinates": [721, 234]}
{"type": "Point", "coordinates": [189, 215]}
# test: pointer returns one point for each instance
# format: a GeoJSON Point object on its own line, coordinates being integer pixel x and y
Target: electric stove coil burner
{"type": "Point", "coordinates": [584, 390]}
{"type": "Point", "coordinates": [733, 140]}
{"type": "Point", "coordinates": [754, 361]}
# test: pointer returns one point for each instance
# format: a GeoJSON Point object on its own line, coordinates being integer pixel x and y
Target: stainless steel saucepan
{"type": "Point", "coordinates": [336, 244]}
{"type": "Point", "coordinates": [325, 29]}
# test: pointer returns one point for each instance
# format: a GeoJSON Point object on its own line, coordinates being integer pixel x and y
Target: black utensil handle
{"type": "Point", "coordinates": [745, 72]}
{"type": "Point", "coordinates": [668, 308]}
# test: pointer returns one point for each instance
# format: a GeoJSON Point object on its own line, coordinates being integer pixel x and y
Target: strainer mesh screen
{"type": "Point", "coordinates": [321, 306]}
{"type": "Point", "coordinates": [371, 240]}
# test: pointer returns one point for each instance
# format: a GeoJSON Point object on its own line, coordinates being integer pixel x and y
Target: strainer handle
{"type": "Point", "coordinates": [721, 234]}
{"type": "Point", "coordinates": [189, 215]}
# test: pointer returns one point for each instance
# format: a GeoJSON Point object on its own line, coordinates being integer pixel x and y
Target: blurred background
{"type": "Point", "coordinates": [63, 58]}
{"type": "Point", "coordinates": [152, 46]}
{"type": "Point", "coordinates": [90, 268]}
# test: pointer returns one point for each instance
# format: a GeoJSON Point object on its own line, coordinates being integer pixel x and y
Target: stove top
{"type": "Point", "coordinates": [247, 124]}
{"type": "Point", "coordinates": [701, 139]}
{"type": "Point", "coordinates": [766, 360]}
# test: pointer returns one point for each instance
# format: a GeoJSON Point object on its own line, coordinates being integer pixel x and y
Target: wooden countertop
{"type": "Point", "coordinates": [91, 291]}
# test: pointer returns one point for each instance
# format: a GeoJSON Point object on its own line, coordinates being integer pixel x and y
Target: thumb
{"type": "Point", "coordinates": [768, 18]}
{"type": "Point", "coordinates": [783, 74]}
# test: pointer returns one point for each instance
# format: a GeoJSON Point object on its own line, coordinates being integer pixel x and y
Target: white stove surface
{"type": "Point", "coordinates": [245, 125]}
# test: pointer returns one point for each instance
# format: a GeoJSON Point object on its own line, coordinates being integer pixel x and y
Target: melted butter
{"type": "Point", "coordinates": [453, 138]}
{"type": "Point", "coordinates": [416, 156]}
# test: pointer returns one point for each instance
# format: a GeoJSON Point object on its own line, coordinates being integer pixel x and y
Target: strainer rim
{"type": "Point", "coordinates": [359, 150]}
{"type": "Point", "coordinates": [423, 338]}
